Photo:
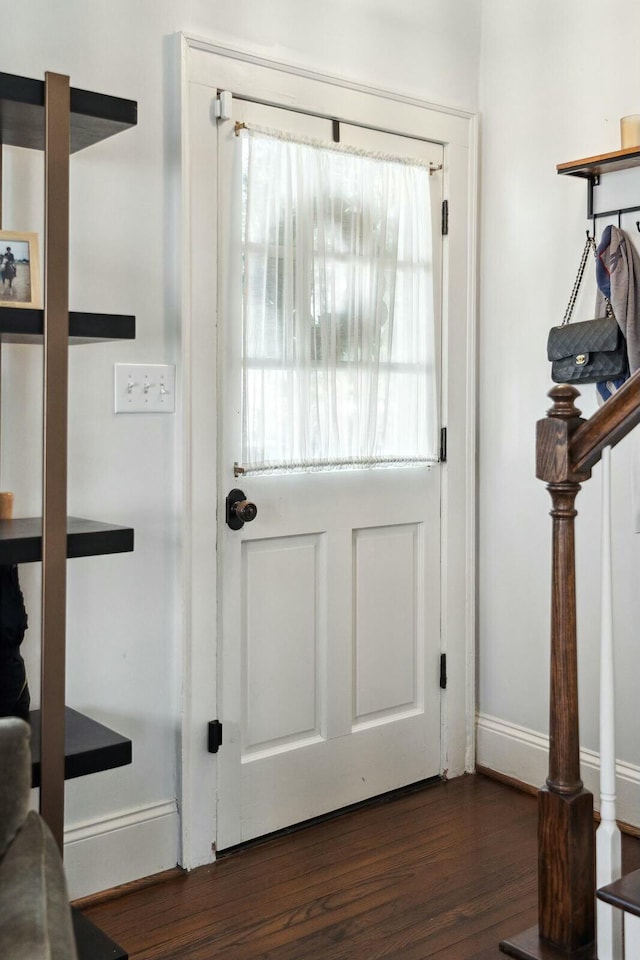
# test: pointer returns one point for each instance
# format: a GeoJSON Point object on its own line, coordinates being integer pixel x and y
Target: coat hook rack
{"type": "Point", "coordinates": [590, 170]}
{"type": "Point", "coordinates": [619, 213]}
{"type": "Point", "coordinates": [593, 215]}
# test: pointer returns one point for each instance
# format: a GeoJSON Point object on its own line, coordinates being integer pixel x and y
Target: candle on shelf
{"type": "Point", "coordinates": [6, 505]}
{"type": "Point", "coordinates": [630, 131]}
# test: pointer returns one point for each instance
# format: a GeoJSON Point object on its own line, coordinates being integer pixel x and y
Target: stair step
{"type": "Point", "coordinates": [92, 943]}
{"type": "Point", "coordinates": [530, 946]}
{"type": "Point", "coordinates": [623, 893]}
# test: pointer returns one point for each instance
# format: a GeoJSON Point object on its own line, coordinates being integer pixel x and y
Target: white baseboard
{"type": "Point", "coordinates": [522, 754]}
{"type": "Point", "coordinates": [134, 843]}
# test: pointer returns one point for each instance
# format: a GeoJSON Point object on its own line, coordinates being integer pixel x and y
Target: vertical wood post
{"type": "Point", "coordinates": [567, 448]}
{"type": "Point", "coordinates": [566, 856]}
{"type": "Point", "coordinates": [54, 507]}
{"type": "Point", "coordinates": [566, 849]}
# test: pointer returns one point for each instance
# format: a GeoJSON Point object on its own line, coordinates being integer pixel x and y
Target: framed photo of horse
{"type": "Point", "coordinates": [19, 270]}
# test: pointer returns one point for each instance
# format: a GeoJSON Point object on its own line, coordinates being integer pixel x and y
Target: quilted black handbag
{"type": "Point", "coordinates": [590, 351]}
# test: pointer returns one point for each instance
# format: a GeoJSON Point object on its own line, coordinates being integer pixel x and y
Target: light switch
{"type": "Point", "coordinates": [145, 387]}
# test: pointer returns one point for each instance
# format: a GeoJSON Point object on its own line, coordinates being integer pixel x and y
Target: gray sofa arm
{"type": "Point", "coordinates": [15, 777]}
{"type": "Point", "coordinates": [35, 917]}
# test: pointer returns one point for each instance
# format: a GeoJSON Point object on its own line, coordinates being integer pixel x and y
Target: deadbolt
{"type": "Point", "coordinates": [239, 510]}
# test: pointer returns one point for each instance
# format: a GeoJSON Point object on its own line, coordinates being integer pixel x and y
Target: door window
{"type": "Point", "coordinates": [338, 307]}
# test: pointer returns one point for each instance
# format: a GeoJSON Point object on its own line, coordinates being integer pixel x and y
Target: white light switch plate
{"type": "Point", "coordinates": [145, 387]}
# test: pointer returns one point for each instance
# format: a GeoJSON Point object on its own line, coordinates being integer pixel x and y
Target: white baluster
{"type": "Point", "coordinates": [608, 854]}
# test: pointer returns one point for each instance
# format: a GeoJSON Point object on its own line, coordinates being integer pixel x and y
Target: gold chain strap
{"type": "Point", "coordinates": [590, 244]}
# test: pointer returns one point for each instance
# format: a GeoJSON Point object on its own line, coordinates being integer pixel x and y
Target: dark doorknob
{"type": "Point", "coordinates": [239, 510]}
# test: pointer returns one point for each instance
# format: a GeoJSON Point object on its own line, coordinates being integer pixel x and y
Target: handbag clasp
{"type": "Point", "coordinates": [581, 359]}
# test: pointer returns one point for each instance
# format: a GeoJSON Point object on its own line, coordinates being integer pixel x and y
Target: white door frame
{"type": "Point", "coordinates": [244, 73]}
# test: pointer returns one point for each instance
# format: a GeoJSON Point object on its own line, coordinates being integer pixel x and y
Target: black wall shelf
{"type": "Point", "coordinates": [27, 325]}
{"type": "Point", "coordinates": [89, 746]}
{"type": "Point", "coordinates": [94, 116]}
{"type": "Point", "coordinates": [21, 539]}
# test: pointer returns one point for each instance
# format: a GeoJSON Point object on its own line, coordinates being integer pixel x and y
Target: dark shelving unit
{"type": "Point", "coordinates": [94, 116]}
{"type": "Point", "coordinates": [21, 539]}
{"type": "Point", "coordinates": [92, 943]}
{"type": "Point", "coordinates": [89, 746]}
{"type": "Point", "coordinates": [27, 326]}
{"type": "Point", "coordinates": [52, 116]}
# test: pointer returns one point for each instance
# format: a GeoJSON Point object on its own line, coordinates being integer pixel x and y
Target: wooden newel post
{"type": "Point", "coordinates": [566, 849]}
{"type": "Point", "coordinates": [567, 448]}
{"type": "Point", "coordinates": [564, 758]}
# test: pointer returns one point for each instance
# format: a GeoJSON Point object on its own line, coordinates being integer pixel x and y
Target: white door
{"type": "Point", "coordinates": [330, 598]}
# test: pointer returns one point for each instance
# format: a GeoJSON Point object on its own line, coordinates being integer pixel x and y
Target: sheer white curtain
{"type": "Point", "coordinates": [338, 319]}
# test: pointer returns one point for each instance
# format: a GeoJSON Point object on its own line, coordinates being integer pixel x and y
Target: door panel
{"type": "Point", "coordinates": [281, 691]}
{"type": "Point", "coordinates": [330, 598]}
{"type": "Point", "coordinates": [388, 646]}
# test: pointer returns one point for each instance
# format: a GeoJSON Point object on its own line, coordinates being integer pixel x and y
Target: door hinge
{"type": "Point", "coordinates": [443, 445]}
{"type": "Point", "coordinates": [445, 218]}
{"type": "Point", "coordinates": [223, 105]}
{"type": "Point", "coordinates": [215, 736]}
{"type": "Point", "coordinates": [443, 671]}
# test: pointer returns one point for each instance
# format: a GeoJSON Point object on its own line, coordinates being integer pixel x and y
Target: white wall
{"type": "Point", "coordinates": [555, 79]}
{"type": "Point", "coordinates": [422, 48]}
{"type": "Point", "coordinates": [125, 647]}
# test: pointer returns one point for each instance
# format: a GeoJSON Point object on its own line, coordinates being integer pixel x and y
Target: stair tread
{"type": "Point", "coordinates": [530, 946]}
{"type": "Point", "coordinates": [623, 893]}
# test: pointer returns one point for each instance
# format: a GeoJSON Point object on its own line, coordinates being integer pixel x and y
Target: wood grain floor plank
{"type": "Point", "coordinates": [285, 903]}
{"type": "Point", "coordinates": [437, 841]}
{"type": "Point", "coordinates": [443, 873]}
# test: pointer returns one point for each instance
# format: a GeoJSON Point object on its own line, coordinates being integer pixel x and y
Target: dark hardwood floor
{"type": "Point", "coordinates": [443, 872]}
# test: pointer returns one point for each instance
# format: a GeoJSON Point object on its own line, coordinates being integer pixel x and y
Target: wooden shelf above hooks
{"type": "Point", "coordinates": [591, 167]}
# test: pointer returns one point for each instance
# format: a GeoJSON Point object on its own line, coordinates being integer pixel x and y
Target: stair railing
{"type": "Point", "coordinates": [567, 448]}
